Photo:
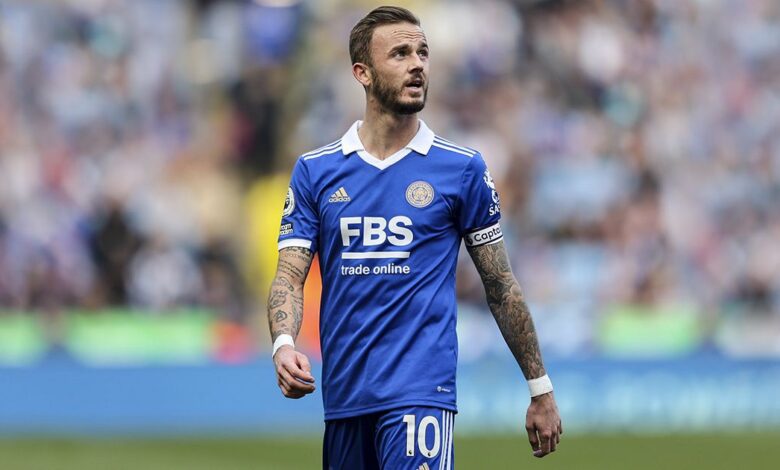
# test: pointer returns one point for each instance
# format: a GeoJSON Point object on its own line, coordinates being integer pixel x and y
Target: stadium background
{"type": "Point", "coordinates": [145, 150]}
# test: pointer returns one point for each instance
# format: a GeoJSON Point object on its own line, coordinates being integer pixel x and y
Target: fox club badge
{"type": "Point", "coordinates": [419, 194]}
{"type": "Point", "coordinates": [488, 178]}
{"type": "Point", "coordinates": [289, 202]}
{"type": "Point", "coordinates": [491, 184]}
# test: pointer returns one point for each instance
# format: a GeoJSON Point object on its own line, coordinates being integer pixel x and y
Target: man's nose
{"type": "Point", "coordinates": [416, 64]}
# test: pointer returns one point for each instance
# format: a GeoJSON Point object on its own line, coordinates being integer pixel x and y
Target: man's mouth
{"type": "Point", "coordinates": [415, 84]}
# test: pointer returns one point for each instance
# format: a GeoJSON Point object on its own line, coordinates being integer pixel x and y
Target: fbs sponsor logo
{"type": "Point", "coordinates": [373, 231]}
{"type": "Point", "coordinates": [484, 236]}
{"type": "Point", "coordinates": [339, 196]}
{"type": "Point", "coordinates": [286, 229]}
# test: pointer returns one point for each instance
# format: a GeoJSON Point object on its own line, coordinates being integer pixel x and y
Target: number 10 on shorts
{"type": "Point", "coordinates": [422, 431]}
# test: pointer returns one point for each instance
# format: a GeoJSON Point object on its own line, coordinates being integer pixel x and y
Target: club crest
{"type": "Point", "coordinates": [419, 194]}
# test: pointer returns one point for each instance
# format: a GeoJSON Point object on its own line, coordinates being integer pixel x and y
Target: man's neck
{"type": "Point", "coordinates": [385, 133]}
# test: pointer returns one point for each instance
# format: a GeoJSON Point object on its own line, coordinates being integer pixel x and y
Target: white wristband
{"type": "Point", "coordinates": [540, 386]}
{"type": "Point", "coordinates": [282, 340]}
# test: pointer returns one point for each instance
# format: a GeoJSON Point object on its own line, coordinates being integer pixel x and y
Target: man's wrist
{"type": "Point", "coordinates": [282, 340]}
{"type": "Point", "coordinates": [540, 386]}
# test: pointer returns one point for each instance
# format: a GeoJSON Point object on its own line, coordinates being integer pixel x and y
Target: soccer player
{"type": "Point", "coordinates": [386, 207]}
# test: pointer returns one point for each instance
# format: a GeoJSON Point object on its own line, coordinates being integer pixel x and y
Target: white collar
{"type": "Point", "coordinates": [420, 143]}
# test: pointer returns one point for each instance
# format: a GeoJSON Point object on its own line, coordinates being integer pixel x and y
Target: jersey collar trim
{"type": "Point", "coordinates": [420, 143]}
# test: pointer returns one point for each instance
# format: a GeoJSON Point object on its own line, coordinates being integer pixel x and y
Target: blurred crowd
{"type": "Point", "coordinates": [120, 165]}
{"type": "Point", "coordinates": [145, 147]}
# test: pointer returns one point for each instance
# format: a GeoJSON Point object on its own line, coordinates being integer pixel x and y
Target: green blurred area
{"type": "Point", "coordinates": [181, 337]}
{"type": "Point", "coordinates": [124, 336]}
{"type": "Point", "coordinates": [651, 332]}
{"type": "Point", "coordinates": [108, 337]}
{"type": "Point", "coordinates": [21, 339]}
{"type": "Point", "coordinates": [715, 451]}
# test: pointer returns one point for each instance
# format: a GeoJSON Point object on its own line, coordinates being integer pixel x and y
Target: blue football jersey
{"type": "Point", "coordinates": [388, 234]}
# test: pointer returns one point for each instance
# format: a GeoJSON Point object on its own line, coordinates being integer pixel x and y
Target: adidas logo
{"type": "Point", "coordinates": [424, 466]}
{"type": "Point", "coordinates": [340, 196]}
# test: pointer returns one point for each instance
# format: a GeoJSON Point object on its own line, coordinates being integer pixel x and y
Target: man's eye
{"type": "Point", "coordinates": [423, 53]}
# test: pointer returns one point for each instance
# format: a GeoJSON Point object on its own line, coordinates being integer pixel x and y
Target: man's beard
{"type": "Point", "coordinates": [389, 98]}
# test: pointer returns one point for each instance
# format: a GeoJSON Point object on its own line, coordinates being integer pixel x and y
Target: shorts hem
{"type": "Point", "coordinates": [351, 413]}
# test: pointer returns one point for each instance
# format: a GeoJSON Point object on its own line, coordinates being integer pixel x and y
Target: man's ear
{"type": "Point", "coordinates": [362, 74]}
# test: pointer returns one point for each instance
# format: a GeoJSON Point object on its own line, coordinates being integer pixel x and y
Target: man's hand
{"type": "Point", "coordinates": [293, 372]}
{"type": "Point", "coordinates": [543, 425]}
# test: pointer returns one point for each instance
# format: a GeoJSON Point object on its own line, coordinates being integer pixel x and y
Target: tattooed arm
{"type": "Point", "coordinates": [285, 314]}
{"type": "Point", "coordinates": [508, 306]}
{"type": "Point", "coordinates": [285, 303]}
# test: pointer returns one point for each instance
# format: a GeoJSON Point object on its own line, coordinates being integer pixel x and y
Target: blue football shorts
{"type": "Point", "coordinates": [411, 438]}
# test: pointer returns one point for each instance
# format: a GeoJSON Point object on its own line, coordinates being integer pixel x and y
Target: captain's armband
{"type": "Point", "coordinates": [484, 236]}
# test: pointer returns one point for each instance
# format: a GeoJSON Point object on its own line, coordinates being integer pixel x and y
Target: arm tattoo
{"type": "Point", "coordinates": [508, 306]}
{"type": "Point", "coordinates": [285, 302]}
{"type": "Point", "coordinates": [277, 299]}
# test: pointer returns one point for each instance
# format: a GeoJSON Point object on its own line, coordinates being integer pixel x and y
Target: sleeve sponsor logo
{"type": "Point", "coordinates": [484, 236]}
{"type": "Point", "coordinates": [289, 202]}
{"type": "Point", "coordinates": [495, 208]}
{"type": "Point", "coordinates": [286, 229]}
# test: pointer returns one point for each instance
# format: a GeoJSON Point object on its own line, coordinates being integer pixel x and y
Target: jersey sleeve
{"type": "Point", "coordinates": [300, 220]}
{"type": "Point", "coordinates": [479, 205]}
